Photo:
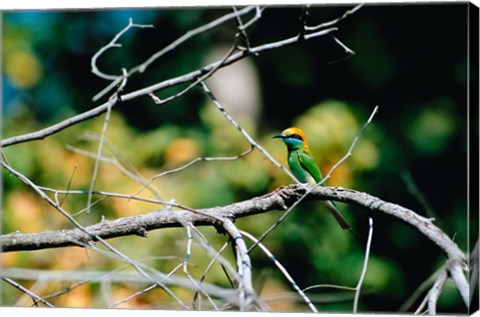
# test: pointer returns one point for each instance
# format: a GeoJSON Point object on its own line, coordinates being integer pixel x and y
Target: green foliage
{"type": "Point", "coordinates": [433, 127]}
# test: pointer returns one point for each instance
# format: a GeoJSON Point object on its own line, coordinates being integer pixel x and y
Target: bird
{"type": "Point", "coordinates": [303, 166]}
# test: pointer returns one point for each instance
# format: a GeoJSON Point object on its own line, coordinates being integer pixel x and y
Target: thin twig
{"type": "Point", "coordinates": [43, 133]}
{"type": "Point", "coordinates": [207, 269]}
{"type": "Point", "coordinates": [192, 162]}
{"type": "Point", "coordinates": [419, 310]}
{"type": "Point", "coordinates": [346, 48]}
{"type": "Point", "coordinates": [102, 140]}
{"type": "Point", "coordinates": [216, 256]}
{"type": "Point", "coordinates": [205, 159]}
{"type": "Point", "coordinates": [147, 289]}
{"type": "Point", "coordinates": [125, 170]}
{"type": "Point", "coordinates": [110, 195]}
{"type": "Point", "coordinates": [417, 194]}
{"type": "Point", "coordinates": [242, 131]}
{"type": "Point", "coordinates": [187, 36]}
{"type": "Point", "coordinates": [346, 288]}
{"type": "Point", "coordinates": [189, 77]}
{"type": "Point", "coordinates": [435, 292]}
{"type": "Point", "coordinates": [31, 294]}
{"type": "Point", "coordinates": [283, 270]}
{"type": "Point", "coordinates": [81, 281]}
{"type": "Point", "coordinates": [349, 51]}
{"type": "Point", "coordinates": [420, 289]}
{"type": "Point", "coordinates": [114, 253]}
{"type": "Point", "coordinates": [350, 150]}
{"type": "Point", "coordinates": [68, 185]}
{"type": "Point", "coordinates": [242, 34]}
{"type": "Point", "coordinates": [256, 17]}
{"type": "Point", "coordinates": [90, 236]}
{"type": "Point", "coordinates": [365, 266]}
{"type": "Point", "coordinates": [97, 160]}
{"type": "Point", "coordinates": [188, 227]}
{"type": "Point", "coordinates": [132, 296]}
{"type": "Point", "coordinates": [335, 21]}
{"type": "Point", "coordinates": [120, 162]}
{"type": "Point", "coordinates": [303, 21]}
{"type": "Point", "coordinates": [322, 182]}
{"type": "Point", "coordinates": [113, 43]}
{"type": "Point", "coordinates": [159, 101]}
{"type": "Point", "coordinates": [144, 290]}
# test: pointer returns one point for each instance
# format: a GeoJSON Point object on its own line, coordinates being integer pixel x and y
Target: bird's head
{"type": "Point", "coordinates": [294, 138]}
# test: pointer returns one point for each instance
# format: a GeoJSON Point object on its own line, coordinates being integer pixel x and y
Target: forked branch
{"type": "Point", "coordinates": [172, 82]}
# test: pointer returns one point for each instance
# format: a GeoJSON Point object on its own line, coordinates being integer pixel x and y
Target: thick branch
{"type": "Point", "coordinates": [246, 295]}
{"type": "Point", "coordinates": [277, 200]}
{"type": "Point", "coordinates": [139, 225]}
{"type": "Point", "coordinates": [422, 224]}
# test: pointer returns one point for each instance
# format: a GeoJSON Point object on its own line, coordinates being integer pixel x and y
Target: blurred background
{"type": "Point", "coordinates": [411, 60]}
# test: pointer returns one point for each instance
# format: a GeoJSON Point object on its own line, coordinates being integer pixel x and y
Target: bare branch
{"type": "Point", "coordinates": [69, 184]}
{"type": "Point", "coordinates": [188, 254]}
{"type": "Point", "coordinates": [116, 276]}
{"type": "Point", "coordinates": [283, 270]}
{"type": "Point", "coordinates": [192, 76]}
{"type": "Point", "coordinates": [126, 299]}
{"type": "Point", "coordinates": [365, 265]}
{"type": "Point", "coordinates": [415, 192]}
{"type": "Point", "coordinates": [43, 195]}
{"type": "Point", "coordinates": [321, 183]}
{"type": "Point", "coordinates": [167, 218]}
{"type": "Point", "coordinates": [474, 271]}
{"type": "Point", "coordinates": [31, 294]}
{"type": "Point", "coordinates": [246, 295]}
{"type": "Point", "coordinates": [159, 101]}
{"type": "Point", "coordinates": [216, 256]}
{"type": "Point", "coordinates": [421, 306]}
{"type": "Point", "coordinates": [258, 15]}
{"type": "Point", "coordinates": [113, 43]}
{"type": "Point", "coordinates": [232, 59]}
{"type": "Point", "coordinates": [88, 237]}
{"type": "Point", "coordinates": [422, 288]}
{"type": "Point", "coordinates": [99, 151]}
{"type": "Point", "coordinates": [350, 149]}
{"type": "Point", "coordinates": [242, 131]}
{"type": "Point", "coordinates": [187, 36]}
{"type": "Point", "coordinates": [346, 288]}
{"type": "Point", "coordinates": [435, 292]}
{"type": "Point", "coordinates": [346, 48]}
{"type": "Point", "coordinates": [456, 268]}
{"type": "Point", "coordinates": [288, 196]}
{"type": "Point", "coordinates": [209, 266]}
{"type": "Point", "coordinates": [172, 214]}
{"type": "Point", "coordinates": [119, 162]}
{"type": "Point", "coordinates": [242, 34]}
{"type": "Point", "coordinates": [191, 33]}
{"type": "Point", "coordinates": [333, 22]}
{"type": "Point", "coordinates": [43, 133]}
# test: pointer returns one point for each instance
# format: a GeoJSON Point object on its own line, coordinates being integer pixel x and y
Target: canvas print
{"type": "Point", "coordinates": [318, 158]}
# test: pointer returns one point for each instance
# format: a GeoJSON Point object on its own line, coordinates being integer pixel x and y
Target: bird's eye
{"type": "Point", "coordinates": [296, 136]}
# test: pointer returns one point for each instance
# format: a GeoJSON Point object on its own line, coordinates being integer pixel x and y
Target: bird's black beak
{"type": "Point", "coordinates": [281, 136]}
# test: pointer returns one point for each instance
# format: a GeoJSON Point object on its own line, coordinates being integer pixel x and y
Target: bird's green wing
{"type": "Point", "coordinates": [310, 165]}
{"type": "Point", "coordinates": [307, 163]}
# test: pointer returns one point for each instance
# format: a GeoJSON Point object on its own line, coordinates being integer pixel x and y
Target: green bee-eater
{"type": "Point", "coordinates": [303, 165]}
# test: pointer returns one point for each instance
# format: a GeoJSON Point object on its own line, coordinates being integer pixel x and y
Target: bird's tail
{"type": "Point", "coordinates": [335, 213]}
